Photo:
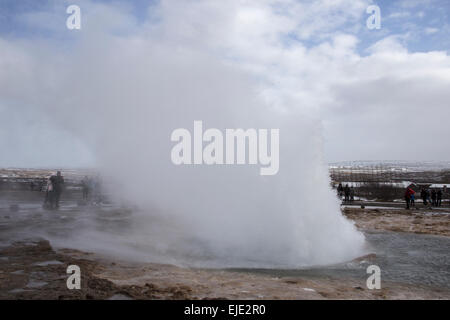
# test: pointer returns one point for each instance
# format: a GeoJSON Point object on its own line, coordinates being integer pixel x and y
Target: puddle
{"type": "Point", "coordinates": [47, 263]}
{"type": "Point", "coordinates": [36, 284]}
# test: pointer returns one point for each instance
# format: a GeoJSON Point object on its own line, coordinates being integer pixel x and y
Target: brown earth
{"type": "Point", "coordinates": [400, 220]}
{"type": "Point", "coordinates": [33, 270]}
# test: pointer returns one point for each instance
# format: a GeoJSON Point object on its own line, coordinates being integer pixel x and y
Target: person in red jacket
{"type": "Point", "coordinates": [408, 194]}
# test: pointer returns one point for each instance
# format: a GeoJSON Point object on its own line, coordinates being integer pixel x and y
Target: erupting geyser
{"type": "Point", "coordinates": [124, 96]}
{"type": "Point", "coordinates": [226, 215]}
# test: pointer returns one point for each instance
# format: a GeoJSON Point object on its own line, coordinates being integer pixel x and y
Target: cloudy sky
{"type": "Point", "coordinates": [378, 94]}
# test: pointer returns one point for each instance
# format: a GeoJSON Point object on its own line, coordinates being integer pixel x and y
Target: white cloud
{"type": "Point", "coordinates": [431, 30]}
{"type": "Point", "coordinates": [303, 61]}
{"type": "Point", "coordinates": [396, 15]}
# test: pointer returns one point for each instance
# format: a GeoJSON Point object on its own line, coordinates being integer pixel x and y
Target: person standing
{"type": "Point", "coordinates": [429, 196]}
{"type": "Point", "coordinates": [347, 193]}
{"type": "Point", "coordinates": [340, 190]}
{"type": "Point", "coordinates": [438, 198]}
{"type": "Point", "coordinates": [408, 193]}
{"type": "Point", "coordinates": [49, 195]}
{"type": "Point", "coordinates": [423, 195]}
{"type": "Point", "coordinates": [433, 197]}
{"type": "Point", "coordinates": [412, 200]}
{"type": "Point", "coordinates": [58, 184]}
{"type": "Point", "coordinates": [407, 198]}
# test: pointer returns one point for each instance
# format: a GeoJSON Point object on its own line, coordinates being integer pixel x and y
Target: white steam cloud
{"type": "Point", "coordinates": [124, 95]}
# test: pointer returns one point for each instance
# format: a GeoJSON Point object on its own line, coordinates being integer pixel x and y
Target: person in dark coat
{"type": "Point", "coordinates": [340, 190]}
{"type": "Point", "coordinates": [58, 184]}
{"type": "Point", "coordinates": [438, 198]}
{"type": "Point", "coordinates": [433, 197]}
{"type": "Point", "coordinates": [347, 193]}
{"type": "Point", "coordinates": [423, 195]}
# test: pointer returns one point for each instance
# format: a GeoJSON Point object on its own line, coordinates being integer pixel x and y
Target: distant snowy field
{"type": "Point", "coordinates": [396, 165]}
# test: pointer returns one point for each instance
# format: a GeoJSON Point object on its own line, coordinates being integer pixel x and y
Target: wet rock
{"type": "Point", "coordinates": [47, 263]}
{"type": "Point", "coordinates": [367, 257]}
{"type": "Point", "coordinates": [119, 297]}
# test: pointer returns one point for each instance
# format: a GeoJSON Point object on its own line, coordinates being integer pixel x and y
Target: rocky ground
{"type": "Point", "coordinates": [34, 270]}
{"type": "Point", "coordinates": [423, 221]}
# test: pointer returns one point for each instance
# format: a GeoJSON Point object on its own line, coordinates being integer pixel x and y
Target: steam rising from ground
{"type": "Point", "coordinates": [229, 213]}
{"type": "Point", "coordinates": [125, 96]}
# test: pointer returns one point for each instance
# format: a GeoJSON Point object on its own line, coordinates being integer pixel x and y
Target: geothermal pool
{"type": "Point", "coordinates": [403, 257]}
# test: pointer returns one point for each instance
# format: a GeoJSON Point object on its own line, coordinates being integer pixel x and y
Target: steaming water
{"type": "Point", "coordinates": [402, 257]}
{"type": "Point", "coordinates": [123, 233]}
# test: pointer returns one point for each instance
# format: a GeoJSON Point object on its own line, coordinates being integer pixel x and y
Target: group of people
{"type": "Point", "coordinates": [54, 186]}
{"type": "Point", "coordinates": [53, 190]}
{"type": "Point", "coordinates": [434, 197]}
{"type": "Point", "coordinates": [430, 196]}
{"type": "Point", "coordinates": [347, 192]}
